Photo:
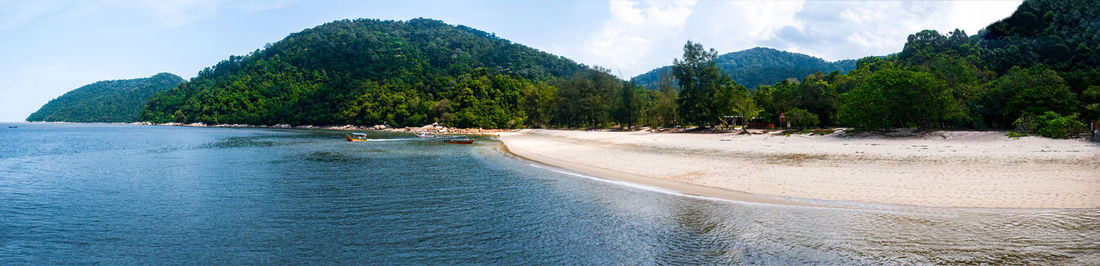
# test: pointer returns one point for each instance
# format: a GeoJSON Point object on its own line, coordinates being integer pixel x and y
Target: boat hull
{"type": "Point", "coordinates": [353, 139]}
{"type": "Point", "coordinates": [459, 141]}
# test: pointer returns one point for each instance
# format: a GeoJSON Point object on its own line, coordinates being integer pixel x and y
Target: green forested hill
{"type": "Point", "coordinates": [1036, 72]}
{"type": "Point", "coordinates": [760, 66]}
{"type": "Point", "coordinates": [360, 71]}
{"type": "Point", "coordinates": [1062, 34]}
{"type": "Point", "coordinates": [105, 101]}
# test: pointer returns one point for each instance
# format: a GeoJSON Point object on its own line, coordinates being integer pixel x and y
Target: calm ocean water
{"type": "Point", "coordinates": [121, 194]}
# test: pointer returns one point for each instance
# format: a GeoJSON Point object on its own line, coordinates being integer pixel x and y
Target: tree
{"type": "Point", "coordinates": [705, 91]}
{"type": "Point", "coordinates": [363, 72]}
{"type": "Point", "coordinates": [1021, 91]}
{"type": "Point", "coordinates": [898, 98]}
{"type": "Point", "coordinates": [585, 99]}
{"type": "Point", "coordinates": [488, 101]}
{"type": "Point", "coordinates": [802, 119]}
{"type": "Point", "coordinates": [539, 104]}
{"type": "Point", "coordinates": [816, 96]}
{"type": "Point", "coordinates": [661, 108]}
{"type": "Point", "coordinates": [627, 107]}
{"type": "Point", "coordinates": [745, 106]}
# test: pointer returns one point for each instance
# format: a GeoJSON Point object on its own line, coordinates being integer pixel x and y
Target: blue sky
{"type": "Point", "coordinates": [48, 47]}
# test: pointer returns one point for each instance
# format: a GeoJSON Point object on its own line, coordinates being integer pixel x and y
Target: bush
{"type": "Point", "coordinates": [1049, 124]}
{"type": "Point", "coordinates": [898, 98]}
{"type": "Point", "coordinates": [801, 118]}
{"type": "Point", "coordinates": [1053, 125]}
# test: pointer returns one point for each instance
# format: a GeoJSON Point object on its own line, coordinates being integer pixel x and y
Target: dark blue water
{"type": "Point", "coordinates": [121, 194]}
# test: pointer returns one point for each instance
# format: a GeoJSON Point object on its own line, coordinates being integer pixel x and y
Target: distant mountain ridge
{"type": "Point", "coordinates": [760, 66]}
{"type": "Point", "coordinates": [105, 101]}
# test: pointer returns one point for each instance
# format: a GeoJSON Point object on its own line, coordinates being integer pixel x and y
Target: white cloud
{"type": "Point", "coordinates": [737, 25]}
{"type": "Point", "coordinates": [853, 29]}
{"type": "Point", "coordinates": [972, 16]}
{"type": "Point", "coordinates": [632, 31]}
{"type": "Point", "coordinates": [640, 36]}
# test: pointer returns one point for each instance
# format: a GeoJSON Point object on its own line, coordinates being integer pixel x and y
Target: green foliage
{"type": "Point", "coordinates": [627, 106]}
{"type": "Point", "coordinates": [585, 99]}
{"type": "Point", "coordinates": [898, 98]}
{"type": "Point", "coordinates": [1053, 125]}
{"type": "Point", "coordinates": [759, 66]}
{"type": "Point", "coordinates": [105, 101]}
{"type": "Point", "coordinates": [1091, 100]}
{"type": "Point", "coordinates": [366, 72]}
{"type": "Point", "coordinates": [661, 108]}
{"type": "Point", "coordinates": [1057, 33]}
{"type": "Point", "coordinates": [487, 101]}
{"type": "Point", "coordinates": [1033, 90]}
{"type": "Point", "coordinates": [539, 103]}
{"type": "Point", "coordinates": [801, 118]}
{"type": "Point", "coordinates": [1041, 59]}
{"type": "Point", "coordinates": [816, 93]}
{"type": "Point", "coordinates": [745, 106]}
{"type": "Point", "coordinates": [1050, 124]}
{"type": "Point", "coordinates": [706, 93]}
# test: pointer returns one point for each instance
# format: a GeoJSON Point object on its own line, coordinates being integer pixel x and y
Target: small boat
{"type": "Point", "coordinates": [424, 135]}
{"type": "Point", "coordinates": [13, 126]}
{"type": "Point", "coordinates": [458, 139]}
{"type": "Point", "coordinates": [356, 137]}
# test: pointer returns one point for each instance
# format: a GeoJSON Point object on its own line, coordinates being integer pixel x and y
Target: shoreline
{"type": "Point", "coordinates": [433, 129]}
{"type": "Point", "coordinates": [983, 173]}
{"type": "Point", "coordinates": [679, 188]}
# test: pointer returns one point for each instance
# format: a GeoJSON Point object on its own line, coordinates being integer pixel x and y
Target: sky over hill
{"type": "Point", "coordinates": [52, 46]}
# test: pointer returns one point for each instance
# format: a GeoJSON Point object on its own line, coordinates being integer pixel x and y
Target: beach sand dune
{"type": "Point", "coordinates": [942, 169]}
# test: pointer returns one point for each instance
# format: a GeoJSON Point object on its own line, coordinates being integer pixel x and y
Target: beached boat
{"type": "Point", "coordinates": [356, 137]}
{"type": "Point", "coordinates": [458, 139]}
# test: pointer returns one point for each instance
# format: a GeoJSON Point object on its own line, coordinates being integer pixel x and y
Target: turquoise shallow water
{"type": "Point", "coordinates": [121, 194]}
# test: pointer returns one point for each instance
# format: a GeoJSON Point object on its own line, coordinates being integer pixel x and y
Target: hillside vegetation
{"type": "Point", "coordinates": [105, 101]}
{"type": "Point", "coordinates": [1035, 72]}
{"type": "Point", "coordinates": [365, 72]}
{"type": "Point", "coordinates": [759, 66]}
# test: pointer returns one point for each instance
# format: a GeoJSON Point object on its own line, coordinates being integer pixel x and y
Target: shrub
{"type": "Point", "coordinates": [801, 118]}
{"type": "Point", "coordinates": [1049, 124]}
{"type": "Point", "coordinates": [1053, 125]}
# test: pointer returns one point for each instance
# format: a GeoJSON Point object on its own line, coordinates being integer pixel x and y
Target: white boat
{"type": "Point", "coordinates": [356, 137]}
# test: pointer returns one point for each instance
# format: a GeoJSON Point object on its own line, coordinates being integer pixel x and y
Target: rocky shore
{"type": "Point", "coordinates": [433, 128]}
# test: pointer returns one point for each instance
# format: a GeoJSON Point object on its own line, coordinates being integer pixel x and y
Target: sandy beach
{"type": "Point", "coordinates": [941, 169]}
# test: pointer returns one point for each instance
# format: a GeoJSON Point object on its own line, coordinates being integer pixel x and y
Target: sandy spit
{"type": "Point", "coordinates": [945, 169]}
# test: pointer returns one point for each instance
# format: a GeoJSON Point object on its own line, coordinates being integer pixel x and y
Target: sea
{"type": "Point", "coordinates": [75, 193]}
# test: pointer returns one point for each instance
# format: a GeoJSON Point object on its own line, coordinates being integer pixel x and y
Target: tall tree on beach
{"type": "Point", "coordinates": [706, 93]}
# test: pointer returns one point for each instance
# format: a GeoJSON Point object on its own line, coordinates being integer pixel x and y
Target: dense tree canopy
{"type": "Point", "coordinates": [585, 99]}
{"type": "Point", "coordinates": [105, 101]}
{"type": "Point", "coordinates": [1038, 64]}
{"type": "Point", "coordinates": [898, 98]}
{"type": "Point", "coordinates": [357, 72]}
{"type": "Point", "coordinates": [706, 93]}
